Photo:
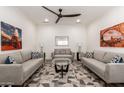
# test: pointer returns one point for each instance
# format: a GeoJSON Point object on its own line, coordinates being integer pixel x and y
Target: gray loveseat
{"type": "Point", "coordinates": [17, 74]}
{"type": "Point", "coordinates": [63, 53]}
{"type": "Point", "coordinates": [100, 64]}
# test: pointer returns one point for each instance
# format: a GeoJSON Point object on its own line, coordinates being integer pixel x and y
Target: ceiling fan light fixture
{"type": "Point", "coordinates": [60, 15]}
{"type": "Point", "coordinates": [78, 20]}
{"type": "Point", "coordinates": [46, 20]}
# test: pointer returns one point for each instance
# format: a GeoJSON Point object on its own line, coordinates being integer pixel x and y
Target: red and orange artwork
{"type": "Point", "coordinates": [11, 37]}
{"type": "Point", "coordinates": [112, 36]}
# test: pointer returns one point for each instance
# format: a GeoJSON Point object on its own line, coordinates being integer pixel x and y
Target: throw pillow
{"type": "Point", "coordinates": [10, 60]}
{"type": "Point", "coordinates": [117, 59]}
{"type": "Point", "coordinates": [89, 54]}
{"type": "Point", "coordinates": [35, 55]}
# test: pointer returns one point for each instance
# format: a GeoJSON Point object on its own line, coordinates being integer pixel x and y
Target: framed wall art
{"type": "Point", "coordinates": [11, 37]}
{"type": "Point", "coordinates": [112, 36]}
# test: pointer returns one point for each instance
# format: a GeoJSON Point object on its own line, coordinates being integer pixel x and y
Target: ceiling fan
{"type": "Point", "coordinates": [60, 15]}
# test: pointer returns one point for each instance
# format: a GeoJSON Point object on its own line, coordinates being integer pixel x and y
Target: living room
{"type": "Point", "coordinates": [39, 32]}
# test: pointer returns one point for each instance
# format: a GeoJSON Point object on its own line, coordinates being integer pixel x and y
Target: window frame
{"type": "Point", "coordinates": [59, 37]}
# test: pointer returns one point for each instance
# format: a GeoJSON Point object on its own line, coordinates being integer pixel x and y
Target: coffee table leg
{"type": "Point", "coordinates": [67, 68]}
{"type": "Point", "coordinates": [62, 71]}
{"type": "Point", "coordinates": [56, 68]}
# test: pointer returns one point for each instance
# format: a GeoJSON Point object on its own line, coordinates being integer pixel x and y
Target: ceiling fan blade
{"type": "Point", "coordinates": [71, 15]}
{"type": "Point", "coordinates": [57, 20]}
{"type": "Point", "coordinates": [50, 10]}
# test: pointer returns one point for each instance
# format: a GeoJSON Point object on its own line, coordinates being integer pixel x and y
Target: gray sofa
{"type": "Point", "coordinates": [100, 64]}
{"type": "Point", "coordinates": [63, 53]}
{"type": "Point", "coordinates": [17, 74]}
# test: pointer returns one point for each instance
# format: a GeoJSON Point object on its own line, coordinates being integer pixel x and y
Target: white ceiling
{"type": "Point", "coordinates": [89, 13]}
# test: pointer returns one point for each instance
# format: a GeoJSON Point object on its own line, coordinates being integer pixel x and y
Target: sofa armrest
{"type": "Point", "coordinates": [11, 74]}
{"type": "Point", "coordinates": [114, 73]}
{"type": "Point", "coordinates": [73, 54]}
{"type": "Point", "coordinates": [82, 54]}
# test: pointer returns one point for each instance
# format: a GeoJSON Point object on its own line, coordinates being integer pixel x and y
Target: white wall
{"type": "Point", "coordinates": [13, 16]}
{"type": "Point", "coordinates": [46, 35]}
{"type": "Point", "coordinates": [111, 18]}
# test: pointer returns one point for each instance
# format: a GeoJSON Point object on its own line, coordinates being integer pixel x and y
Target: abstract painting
{"type": "Point", "coordinates": [11, 37]}
{"type": "Point", "coordinates": [112, 36]}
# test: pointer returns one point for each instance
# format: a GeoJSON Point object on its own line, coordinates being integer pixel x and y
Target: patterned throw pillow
{"type": "Point", "coordinates": [117, 59]}
{"type": "Point", "coordinates": [89, 54]}
{"type": "Point", "coordinates": [35, 55]}
{"type": "Point", "coordinates": [10, 60]}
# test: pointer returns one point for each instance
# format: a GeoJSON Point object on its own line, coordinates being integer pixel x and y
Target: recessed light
{"type": "Point", "coordinates": [46, 20]}
{"type": "Point", "coordinates": [78, 20]}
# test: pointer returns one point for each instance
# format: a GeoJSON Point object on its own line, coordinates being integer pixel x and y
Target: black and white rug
{"type": "Point", "coordinates": [77, 76]}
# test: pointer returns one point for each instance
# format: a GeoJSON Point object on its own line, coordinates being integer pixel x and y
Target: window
{"type": "Point", "coordinates": [61, 40]}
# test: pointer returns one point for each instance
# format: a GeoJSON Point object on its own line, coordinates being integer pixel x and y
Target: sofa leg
{"type": "Point", "coordinates": [9, 85]}
{"type": "Point", "coordinates": [6, 85]}
{"type": "Point", "coordinates": [107, 84]}
{"type": "Point", "coordinates": [2, 85]}
{"type": "Point", "coordinates": [18, 86]}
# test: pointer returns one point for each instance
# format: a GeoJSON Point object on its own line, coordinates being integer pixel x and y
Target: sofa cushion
{"type": "Point", "coordinates": [31, 66]}
{"type": "Point", "coordinates": [17, 56]}
{"type": "Point", "coordinates": [108, 57]}
{"type": "Point", "coordinates": [63, 56]}
{"type": "Point", "coordinates": [97, 66]}
{"type": "Point", "coordinates": [26, 55]}
{"type": "Point", "coordinates": [68, 51]}
{"type": "Point", "coordinates": [56, 51]}
{"type": "Point", "coordinates": [99, 55]}
{"type": "Point", "coordinates": [62, 51]}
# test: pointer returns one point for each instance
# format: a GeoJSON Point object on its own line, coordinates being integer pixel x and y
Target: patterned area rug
{"type": "Point", "coordinates": [77, 76]}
